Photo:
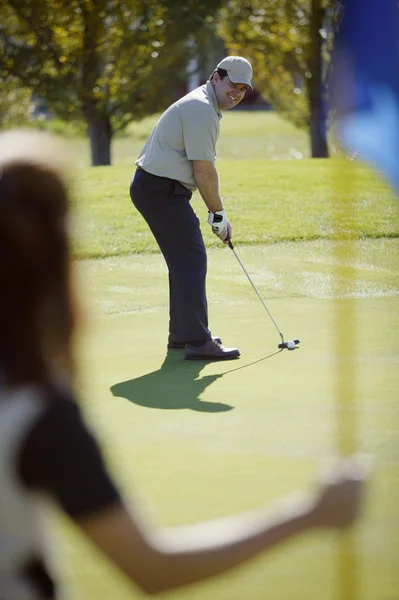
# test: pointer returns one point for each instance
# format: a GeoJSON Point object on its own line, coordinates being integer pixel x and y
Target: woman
{"type": "Point", "coordinates": [47, 450]}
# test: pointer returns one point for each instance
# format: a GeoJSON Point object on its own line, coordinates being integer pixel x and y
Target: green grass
{"type": "Point", "coordinates": [270, 195]}
{"type": "Point", "coordinates": [199, 441]}
{"type": "Point", "coordinates": [244, 135]}
{"type": "Point", "coordinates": [266, 201]}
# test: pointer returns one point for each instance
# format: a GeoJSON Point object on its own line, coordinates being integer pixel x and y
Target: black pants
{"type": "Point", "coordinates": [165, 205]}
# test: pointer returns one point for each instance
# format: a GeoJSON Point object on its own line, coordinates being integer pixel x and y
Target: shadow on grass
{"type": "Point", "coordinates": [176, 385]}
{"type": "Point", "coordinates": [255, 362]}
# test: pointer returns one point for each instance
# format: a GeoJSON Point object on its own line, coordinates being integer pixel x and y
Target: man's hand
{"type": "Point", "coordinates": [221, 226]}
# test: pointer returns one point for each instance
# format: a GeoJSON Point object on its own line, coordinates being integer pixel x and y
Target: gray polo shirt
{"type": "Point", "coordinates": [188, 130]}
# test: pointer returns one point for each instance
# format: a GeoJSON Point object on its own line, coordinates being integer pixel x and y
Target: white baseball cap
{"type": "Point", "coordinates": [239, 70]}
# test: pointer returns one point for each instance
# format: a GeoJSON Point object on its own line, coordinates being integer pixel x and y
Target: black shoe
{"type": "Point", "coordinates": [211, 350]}
{"type": "Point", "coordinates": [182, 345]}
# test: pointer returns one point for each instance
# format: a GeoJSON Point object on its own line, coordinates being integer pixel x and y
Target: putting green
{"type": "Point", "coordinates": [201, 440]}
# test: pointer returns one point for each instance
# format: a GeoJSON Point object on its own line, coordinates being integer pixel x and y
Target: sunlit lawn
{"type": "Point", "coordinates": [193, 441]}
{"type": "Point", "coordinates": [198, 441]}
{"type": "Point", "coordinates": [244, 135]}
{"type": "Point", "coordinates": [267, 201]}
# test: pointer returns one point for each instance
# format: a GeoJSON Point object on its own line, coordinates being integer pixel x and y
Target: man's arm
{"type": "Point", "coordinates": [207, 179]}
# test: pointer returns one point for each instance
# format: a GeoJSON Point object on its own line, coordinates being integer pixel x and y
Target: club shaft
{"type": "Point", "coordinates": [256, 290]}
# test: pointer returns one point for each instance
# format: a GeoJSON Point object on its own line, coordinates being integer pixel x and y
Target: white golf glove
{"type": "Point", "coordinates": [218, 221]}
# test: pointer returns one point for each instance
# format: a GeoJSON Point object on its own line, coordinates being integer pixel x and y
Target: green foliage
{"type": "Point", "coordinates": [119, 59]}
{"type": "Point", "coordinates": [14, 104]}
{"type": "Point", "coordinates": [65, 129]}
{"type": "Point", "coordinates": [276, 37]}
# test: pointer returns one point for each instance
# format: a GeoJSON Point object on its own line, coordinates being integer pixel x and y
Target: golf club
{"type": "Point", "coordinates": [291, 344]}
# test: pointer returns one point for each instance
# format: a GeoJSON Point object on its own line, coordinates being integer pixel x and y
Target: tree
{"type": "Point", "coordinates": [107, 62]}
{"type": "Point", "coordinates": [288, 42]}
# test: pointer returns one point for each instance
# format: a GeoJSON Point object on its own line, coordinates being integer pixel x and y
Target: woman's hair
{"type": "Point", "coordinates": [37, 315]}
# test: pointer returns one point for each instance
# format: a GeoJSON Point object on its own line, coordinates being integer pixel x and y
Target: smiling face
{"type": "Point", "coordinates": [228, 94]}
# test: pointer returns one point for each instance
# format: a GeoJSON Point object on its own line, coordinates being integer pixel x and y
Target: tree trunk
{"type": "Point", "coordinates": [315, 86]}
{"type": "Point", "coordinates": [100, 134]}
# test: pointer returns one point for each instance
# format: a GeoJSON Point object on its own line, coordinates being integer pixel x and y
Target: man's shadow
{"type": "Point", "coordinates": [176, 385]}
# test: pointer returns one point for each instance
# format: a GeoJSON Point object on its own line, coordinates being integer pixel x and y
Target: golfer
{"type": "Point", "coordinates": [47, 451]}
{"type": "Point", "coordinates": [178, 158]}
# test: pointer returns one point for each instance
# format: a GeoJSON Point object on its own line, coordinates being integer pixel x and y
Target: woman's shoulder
{"type": "Point", "coordinates": [61, 456]}
{"type": "Point", "coordinates": [23, 407]}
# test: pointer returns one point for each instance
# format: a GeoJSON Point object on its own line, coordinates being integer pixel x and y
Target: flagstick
{"type": "Point", "coordinates": [345, 331]}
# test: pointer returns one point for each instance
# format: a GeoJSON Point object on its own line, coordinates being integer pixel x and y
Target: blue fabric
{"type": "Point", "coordinates": [366, 83]}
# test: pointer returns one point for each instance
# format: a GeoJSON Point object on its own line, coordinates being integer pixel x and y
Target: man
{"type": "Point", "coordinates": [178, 158]}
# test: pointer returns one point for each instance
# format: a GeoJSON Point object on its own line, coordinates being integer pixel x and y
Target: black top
{"type": "Point", "coordinates": [61, 457]}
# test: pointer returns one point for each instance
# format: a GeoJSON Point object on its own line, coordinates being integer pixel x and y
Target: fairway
{"type": "Point", "coordinates": [197, 441]}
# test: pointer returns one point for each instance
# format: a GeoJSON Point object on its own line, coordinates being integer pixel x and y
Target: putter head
{"type": "Point", "coordinates": [284, 345]}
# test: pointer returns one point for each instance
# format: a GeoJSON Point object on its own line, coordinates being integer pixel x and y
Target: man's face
{"type": "Point", "coordinates": [228, 94]}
